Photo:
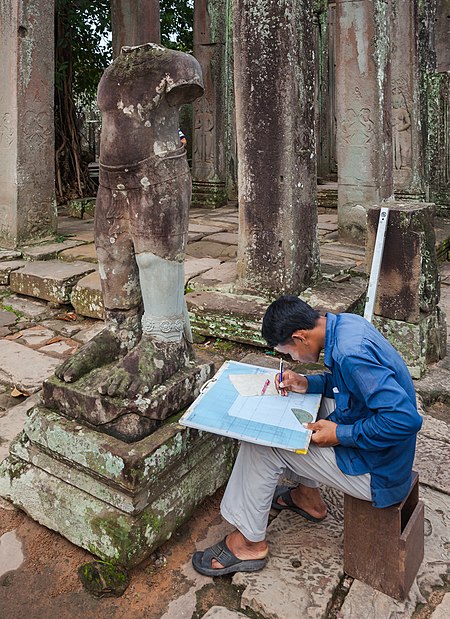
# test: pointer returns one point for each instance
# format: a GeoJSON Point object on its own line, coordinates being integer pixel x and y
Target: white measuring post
{"type": "Point", "coordinates": [376, 264]}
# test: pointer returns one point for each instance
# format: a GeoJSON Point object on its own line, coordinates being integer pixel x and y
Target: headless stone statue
{"type": "Point", "coordinates": [141, 222]}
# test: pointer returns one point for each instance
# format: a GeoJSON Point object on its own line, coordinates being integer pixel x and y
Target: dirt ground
{"type": "Point", "coordinates": [47, 586]}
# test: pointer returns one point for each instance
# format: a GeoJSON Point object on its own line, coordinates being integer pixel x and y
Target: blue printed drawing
{"type": "Point", "coordinates": [267, 420]}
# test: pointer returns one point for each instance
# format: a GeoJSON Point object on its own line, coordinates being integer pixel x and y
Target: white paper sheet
{"type": "Point", "coordinates": [253, 384]}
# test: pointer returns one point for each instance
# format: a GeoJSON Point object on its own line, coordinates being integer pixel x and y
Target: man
{"type": "Point", "coordinates": [364, 447]}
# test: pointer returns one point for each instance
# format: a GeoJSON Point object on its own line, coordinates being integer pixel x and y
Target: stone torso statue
{"type": "Point", "coordinates": [141, 221]}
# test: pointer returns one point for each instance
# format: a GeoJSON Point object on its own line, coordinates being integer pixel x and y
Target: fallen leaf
{"type": "Point", "coordinates": [17, 393]}
{"type": "Point", "coordinates": [68, 316]}
{"type": "Point", "coordinates": [14, 336]}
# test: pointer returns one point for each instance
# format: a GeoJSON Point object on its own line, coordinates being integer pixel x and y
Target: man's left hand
{"type": "Point", "coordinates": [324, 433]}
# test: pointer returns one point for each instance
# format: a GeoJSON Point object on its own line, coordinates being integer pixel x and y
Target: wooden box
{"type": "Point", "coordinates": [384, 547]}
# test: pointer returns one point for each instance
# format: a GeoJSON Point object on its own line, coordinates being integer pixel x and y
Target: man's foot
{"type": "Point", "coordinates": [302, 500]}
{"type": "Point", "coordinates": [233, 554]}
{"type": "Point", "coordinates": [148, 364]}
{"type": "Point", "coordinates": [102, 349]}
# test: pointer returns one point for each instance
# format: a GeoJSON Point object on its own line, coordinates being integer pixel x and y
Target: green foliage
{"type": "Point", "coordinates": [177, 18]}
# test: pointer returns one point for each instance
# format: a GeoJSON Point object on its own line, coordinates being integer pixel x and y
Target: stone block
{"type": "Point", "coordinates": [442, 611]}
{"type": "Point", "coordinates": [9, 254]}
{"type": "Point", "coordinates": [197, 266]}
{"type": "Point", "coordinates": [220, 612]}
{"type": "Point", "coordinates": [7, 318]}
{"type": "Point", "coordinates": [409, 278]}
{"type": "Point", "coordinates": [28, 307]}
{"type": "Point", "coordinates": [127, 419]}
{"type": "Point", "coordinates": [206, 228]}
{"type": "Point", "coordinates": [337, 297]}
{"type": "Point", "coordinates": [12, 423]}
{"type": "Point", "coordinates": [48, 251]}
{"type": "Point", "coordinates": [210, 249]}
{"type": "Point", "coordinates": [86, 296]}
{"type": "Point", "coordinates": [51, 280]}
{"type": "Point", "coordinates": [118, 503]}
{"type": "Point", "coordinates": [23, 367]}
{"type": "Point", "coordinates": [227, 238]}
{"type": "Point", "coordinates": [222, 277]}
{"type": "Point", "coordinates": [5, 269]}
{"type": "Point", "coordinates": [86, 253]}
{"type": "Point", "coordinates": [418, 343]}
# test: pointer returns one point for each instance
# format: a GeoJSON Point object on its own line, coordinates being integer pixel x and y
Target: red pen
{"type": "Point", "coordinates": [266, 384]}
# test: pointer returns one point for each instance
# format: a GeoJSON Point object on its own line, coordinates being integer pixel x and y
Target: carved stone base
{"type": "Point", "coordinates": [118, 502]}
{"type": "Point", "coordinates": [208, 194]}
{"type": "Point", "coordinates": [127, 419]}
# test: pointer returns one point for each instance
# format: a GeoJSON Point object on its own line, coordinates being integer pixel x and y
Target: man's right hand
{"type": "Point", "coordinates": [291, 382]}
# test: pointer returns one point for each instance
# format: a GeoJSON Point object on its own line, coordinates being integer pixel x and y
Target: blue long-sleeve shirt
{"type": "Point", "coordinates": [376, 409]}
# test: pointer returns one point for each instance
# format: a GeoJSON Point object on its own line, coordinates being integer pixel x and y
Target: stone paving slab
{"type": "Point", "coordinates": [86, 253]}
{"type": "Point", "coordinates": [31, 308]}
{"type": "Point", "coordinates": [86, 334]}
{"type": "Point", "coordinates": [227, 238]}
{"type": "Point", "coordinates": [303, 571]}
{"type": "Point", "coordinates": [51, 280]}
{"type": "Point", "coordinates": [329, 296]}
{"type": "Point", "coordinates": [48, 251]}
{"type": "Point", "coordinates": [205, 229]}
{"type": "Point", "coordinates": [7, 318]}
{"type": "Point", "coordinates": [363, 601]}
{"type": "Point", "coordinates": [12, 423]}
{"type": "Point", "coordinates": [443, 610]}
{"type": "Point", "coordinates": [220, 612]}
{"type": "Point", "coordinates": [194, 236]}
{"type": "Point", "coordinates": [435, 385]}
{"type": "Point", "coordinates": [34, 336]}
{"type": "Point", "coordinates": [6, 268]}
{"type": "Point", "coordinates": [70, 226]}
{"type": "Point", "coordinates": [24, 367]}
{"type": "Point", "coordinates": [9, 254]}
{"type": "Point", "coordinates": [217, 278]}
{"type": "Point", "coordinates": [432, 454]}
{"type": "Point", "coordinates": [197, 266]}
{"type": "Point", "coordinates": [63, 327]}
{"type": "Point", "coordinates": [60, 349]}
{"type": "Point", "coordinates": [209, 249]}
{"type": "Point", "coordinates": [87, 298]}
{"type": "Point", "coordinates": [226, 226]}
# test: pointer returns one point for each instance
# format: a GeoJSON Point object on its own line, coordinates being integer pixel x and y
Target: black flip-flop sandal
{"type": "Point", "coordinates": [201, 561]}
{"type": "Point", "coordinates": [284, 493]}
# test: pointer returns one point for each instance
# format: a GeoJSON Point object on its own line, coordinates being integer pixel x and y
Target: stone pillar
{"type": "Point", "coordinates": [406, 310]}
{"type": "Point", "coordinates": [27, 153]}
{"type": "Point", "coordinates": [134, 22]}
{"type": "Point", "coordinates": [210, 111]}
{"type": "Point", "coordinates": [406, 120]}
{"type": "Point", "coordinates": [363, 112]}
{"type": "Point", "coordinates": [274, 92]}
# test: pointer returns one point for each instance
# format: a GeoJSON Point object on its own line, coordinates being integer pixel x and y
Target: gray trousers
{"type": "Point", "coordinates": [249, 493]}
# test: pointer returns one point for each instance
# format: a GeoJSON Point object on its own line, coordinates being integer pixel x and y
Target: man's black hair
{"type": "Point", "coordinates": [285, 316]}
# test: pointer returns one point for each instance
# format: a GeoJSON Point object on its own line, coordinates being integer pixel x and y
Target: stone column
{"type": "Point", "coordinates": [364, 136]}
{"type": "Point", "coordinates": [406, 120]}
{"type": "Point", "coordinates": [406, 309]}
{"type": "Point", "coordinates": [134, 22]}
{"type": "Point", "coordinates": [274, 92]}
{"type": "Point", "coordinates": [27, 153]}
{"type": "Point", "coordinates": [210, 111]}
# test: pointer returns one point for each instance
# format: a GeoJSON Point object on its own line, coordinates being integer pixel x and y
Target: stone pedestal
{"type": "Point", "coordinates": [406, 310]}
{"type": "Point", "coordinates": [27, 202]}
{"type": "Point", "coordinates": [274, 86]}
{"type": "Point", "coordinates": [406, 112]}
{"type": "Point", "coordinates": [117, 501]}
{"type": "Point", "coordinates": [134, 23]}
{"type": "Point", "coordinates": [209, 155]}
{"type": "Point", "coordinates": [363, 112]}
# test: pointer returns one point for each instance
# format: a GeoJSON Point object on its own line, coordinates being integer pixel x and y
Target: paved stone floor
{"type": "Point", "coordinates": [304, 576]}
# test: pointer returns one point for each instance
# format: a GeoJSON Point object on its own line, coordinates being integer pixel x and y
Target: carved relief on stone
{"type": "Point", "coordinates": [357, 127]}
{"type": "Point", "coordinates": [36, 129]}
{"type": "Point", "coordinates": [6, 131]}
{"type": "Point", "coordinates": [401, 126]}
{"type": "Point", "coordinates": [204, 139]}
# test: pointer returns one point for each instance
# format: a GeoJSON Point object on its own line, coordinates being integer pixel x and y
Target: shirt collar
{"type": "Point", "coordinates": [329, 339]}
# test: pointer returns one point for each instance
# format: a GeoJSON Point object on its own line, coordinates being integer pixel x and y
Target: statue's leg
{"type": "Point", "coordinates": [121, 293]}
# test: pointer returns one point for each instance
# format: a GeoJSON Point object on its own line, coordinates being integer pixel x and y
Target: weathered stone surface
{"type": "Point", "coordinates": [27, 307]}
{"type": "Point", "coordinates": [86, 253]}
{"type": "Point", "coordinates": [35, 336]}
{"type": "Point", "coordinates": [86, 296]}
{"type": "Point", "coordinates": [128, 27]}
{"type": "Point", "coordinates": [12, 423]}
{"type": "Point", "coordinates": [9, 254]}
{"type": "Point", "coordinates": [220, 612]}
{"type": "Point", "coordinates": [329, 296]}
{"type": "Point", "coordinates": [11, 555]}
{"type": "Point", "coordinates": [278, 245]}
{"type": "Point", "coordinates": [435, 385]}
{"type": "Point", "coordinates": [186, 478]}
{"type": "Point", "coordinates": [63, 327]}
{"type": "Point", "coordinates": [23, 367]}
{"type": "Point", "coordinates": [203, 249]}
{"type": "Point", "coordinates": [234, 317]}
{"type": "Point", "coordinates": [408, 285]}
{"type": "Point", "coordinates": [363, 106]}
{"type": "Point", "coordinates": [433, 448]}
{"type": "Point", "coordinates": [443, 610]}
{"type": "Point", "coordinates": [222, 277]}
{"type": "Point", "coordinates": [418, 344]}
{"type": "Point", "coordinates": [48, 251]}
{"type": "Point", "coordinates": [6, 268]}
{"type": "Point", "coordinates": [129, 419]}
{"type": "Point", "coordinates": [7, 318]}
{"type": "Point", "coordinates": [304, 568]}
{"type": "Point", "coordinates": [227, 238]}
{"type": "Point", "coordinates": [86, 334]}
{"type": "Point", "coordinates": [197, 266]}
{"type": "Point", "coordinates": [363, 601]}
{"type": "Point", "coordinates": [206, 228]}
{"type": "Point", "coordinates": [51, 280]}
{"type": "Point", "coordinates": [60, 349]}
